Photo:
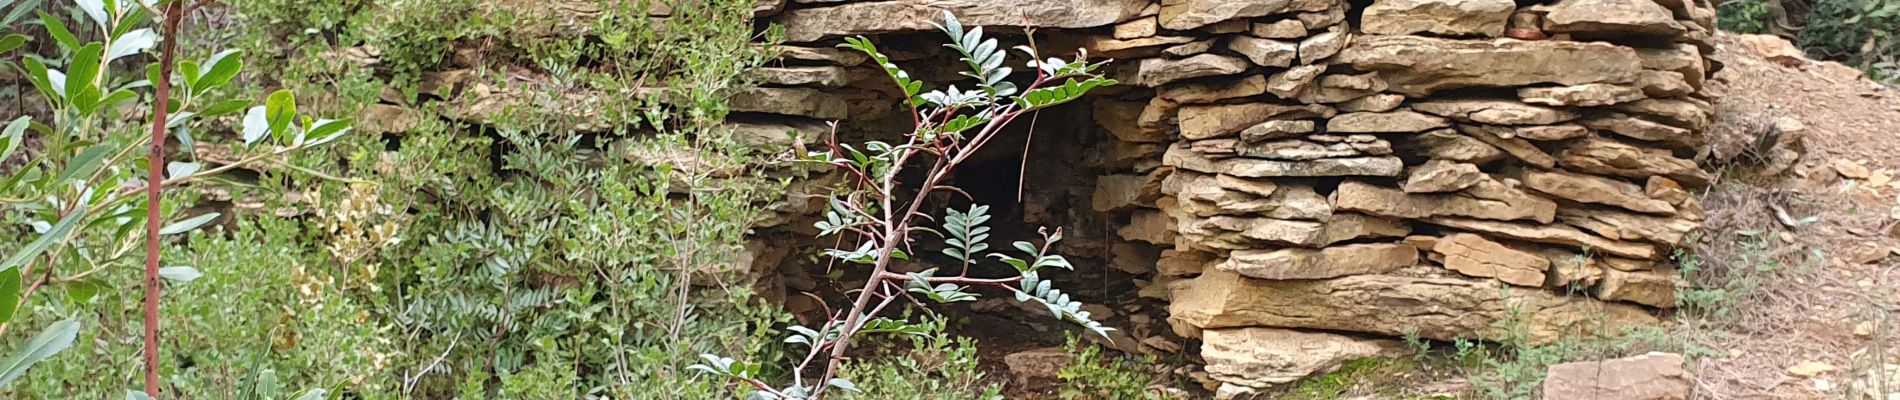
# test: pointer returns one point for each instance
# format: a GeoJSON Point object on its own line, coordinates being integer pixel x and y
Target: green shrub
{"type": "Point", "coordinates": [1861, 33]}
{"type": "Point", "coordinates": [262, 322]}
{"type": "Point", "coordinates": [1095, 375]}
{"type": "Point", "coordinates": [934, 366]}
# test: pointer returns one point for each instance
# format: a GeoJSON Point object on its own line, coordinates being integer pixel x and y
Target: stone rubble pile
{"type": "Point", "coordinates": [1298, 170]}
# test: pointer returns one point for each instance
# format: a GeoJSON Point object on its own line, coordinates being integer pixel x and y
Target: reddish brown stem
{"type": "Point", "coordinates": [156, 167]}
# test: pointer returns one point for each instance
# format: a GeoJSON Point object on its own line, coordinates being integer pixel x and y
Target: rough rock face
{"type": "Point", "coordinates": [1330, 262]}
{"type": "Point", "coordinates": [1190, 14]}
{"type": "Point", "coordinates": [1261, 357]}
{"type": "Point", "coordinates": [1442, 17]}
{"type": "Point", "coordinates": [1442, 308]}
{"type": "Point", "coordinates": [1277, 168]}
{"type": "Point", "coordinates": [1418, 66]}
{"type": "Point", "coordinates": [1653, 376]}
{"type": "Point", "coordinates": [858, 18]}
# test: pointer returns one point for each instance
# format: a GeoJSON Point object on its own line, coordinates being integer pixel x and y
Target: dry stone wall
{"type": "Point", "coordinates": [1312, 175]}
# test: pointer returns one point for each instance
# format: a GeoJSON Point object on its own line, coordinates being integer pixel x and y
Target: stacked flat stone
{"type": "Point", "coordinates": [1445, 169]}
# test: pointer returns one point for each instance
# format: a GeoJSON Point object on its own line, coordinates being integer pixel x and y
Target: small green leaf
{"type": "Point", "coordinates": [280, 109]}
{"type": "Point", "coordinates": [219, 69]}
{"type": "Point", "coordinates": [51, 341]}
{"type": "Point", "coordinates": [117, 96]}
{"type": "Point", "coordinates": [131, 20]}
{"type": "Point", "coordinates": [10, 42]}
{"type": "Point", "coordinates": [42, 80]}
{"type": "Point", "coordinates": [83, 291]}
{"type": "Point", "coordinates": [9, 293]}
{"type": "Point", "coordinates": [84, 70]}
{"type": "Point", "coordinates": [137, 395]}
{"type": "Point", "coordinates": [189, 71]}
{"type": "Point", "coordinates": [224, 108]}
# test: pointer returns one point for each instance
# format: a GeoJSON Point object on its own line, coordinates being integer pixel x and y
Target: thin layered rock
{"type": "Point", "coordinates": [1441, 308]}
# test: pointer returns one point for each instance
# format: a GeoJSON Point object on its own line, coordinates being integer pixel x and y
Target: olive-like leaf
{"type": "Point", "coordinates": [58, 31]}
{"type": "Point", "coordinates": [188, 224]}
{"type": "Point", "coordinates": [51, 341]}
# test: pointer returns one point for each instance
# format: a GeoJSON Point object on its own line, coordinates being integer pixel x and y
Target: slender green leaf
{"type": "Point", "coordinates": [131, 20]}
{"type": "Point", "coordinates": [86, 162]}
{"type": "Point", "coordinates": [327, 130]}
{"type": "Point", "coordinates": [46, 240]}
{"type": "Point", "coordinates": [224, 108]}
{"type": "Point", "coordinates": [42, 80]}
{"type": "Point", "coordinates": [30, 170]}
{"type": "Point", "coordinates": [82, 291]}
{"type": "Point", "coordinates": [51, 341]}
{"type": "Point", "coordinates": [117, 96]}
{"type": "Point", "coordinates": [58, 31]}
{"type": "Point", "coordinates": [188, 224]}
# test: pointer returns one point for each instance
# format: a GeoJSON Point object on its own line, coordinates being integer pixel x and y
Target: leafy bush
{"type": "Point", "coordinates": [935, 366]}
{"type": "Point", "coordinates": [1095, 375]}
{"type": "Point", "coordinates": [520, 259]}
{"type": "Point", "coordinates": [540, 261]}
{"type": "Point", "coordinates": [1862, 33]}
{"type": "Point", "coordinates": [88, 165]}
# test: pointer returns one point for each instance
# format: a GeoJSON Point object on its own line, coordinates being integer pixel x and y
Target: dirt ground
{"type": "Point", "coordinates": [1817, 323]}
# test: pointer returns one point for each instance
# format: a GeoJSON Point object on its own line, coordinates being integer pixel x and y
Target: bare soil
{"type": "Point", "coordinates": [1824, 285]}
